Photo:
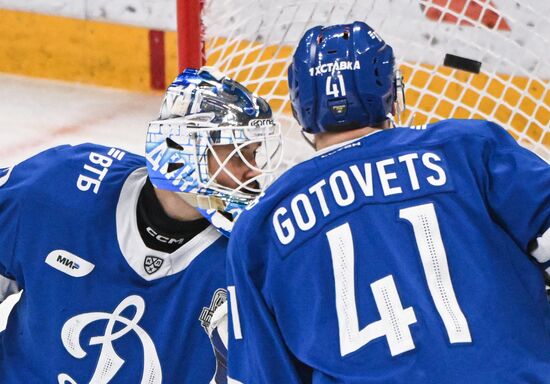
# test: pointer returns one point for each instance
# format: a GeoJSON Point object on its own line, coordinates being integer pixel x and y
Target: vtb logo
{"type": "Point", "coordinates": [68, 263]}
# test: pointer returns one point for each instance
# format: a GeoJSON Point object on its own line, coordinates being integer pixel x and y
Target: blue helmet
{"type": "Point", "coordinates": [343, 77]}
{"type": "Point", "coordinates": [201, 110]}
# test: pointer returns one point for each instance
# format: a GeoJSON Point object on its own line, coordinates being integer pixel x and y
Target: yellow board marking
{"type": "Point", "coordinates": [74, 50]}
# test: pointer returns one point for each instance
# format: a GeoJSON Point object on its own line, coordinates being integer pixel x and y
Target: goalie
{"type": "Point", "coordinates": [119, 266]}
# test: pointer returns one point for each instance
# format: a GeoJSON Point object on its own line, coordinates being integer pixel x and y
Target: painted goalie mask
{"type": "Point", "coordinates": [202, 112]}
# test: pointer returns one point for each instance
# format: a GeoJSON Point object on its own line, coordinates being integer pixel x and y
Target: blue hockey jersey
{"type": "Point", "coordinates": [98, 305]}
{"type": "Point", "coordinates": [412, 255]}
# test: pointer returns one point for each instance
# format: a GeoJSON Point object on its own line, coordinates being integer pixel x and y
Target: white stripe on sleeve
{"type": "Point", "coordinates": [7, 287]}
{"type": "Point", "coordinates": [542, 250]}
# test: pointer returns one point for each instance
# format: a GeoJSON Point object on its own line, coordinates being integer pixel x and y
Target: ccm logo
{"type": "Point", "coordinates": [164, 239]}
{"type": "Point", "coordinates": [68, 263]}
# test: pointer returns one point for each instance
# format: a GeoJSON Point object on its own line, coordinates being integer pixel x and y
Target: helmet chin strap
{"type": "Point", "coordinates": [391, 118]}
{"type": "Point", "coordinates": [202, 201]}
{"type": "Point", "coordinates": [213, 209]}
{"type": "Point", "coordinates": [308, 140]}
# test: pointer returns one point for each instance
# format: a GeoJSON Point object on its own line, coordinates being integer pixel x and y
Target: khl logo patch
{"type": "Point", "coordinates": [152, 264]}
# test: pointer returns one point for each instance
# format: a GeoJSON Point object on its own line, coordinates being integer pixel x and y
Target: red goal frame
{"type": "Point", "coordinates": [190, 32]}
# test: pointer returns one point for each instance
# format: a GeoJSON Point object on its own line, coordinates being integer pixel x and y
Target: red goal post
{"type": "Point", "coordinates": [190, 34]}
{"type": "Point", "coordinates": [439, 46]}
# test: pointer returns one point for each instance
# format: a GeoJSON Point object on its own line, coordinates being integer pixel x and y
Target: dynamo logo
{"type": "Point", "coordinates": [117, 326]}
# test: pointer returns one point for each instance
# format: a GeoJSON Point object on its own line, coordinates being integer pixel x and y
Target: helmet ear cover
{"type": "Point", "coordinates": [342, 77]}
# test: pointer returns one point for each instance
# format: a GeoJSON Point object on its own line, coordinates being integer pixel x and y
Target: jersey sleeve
{"type": "Point", "coordinates": [518, 193]}
{"type": "Point", "coordinates": [20, 185]}
{"type": "Point", "coordinates": [257, 351]}
{"type": "Point", "coordinates": [10, 197]}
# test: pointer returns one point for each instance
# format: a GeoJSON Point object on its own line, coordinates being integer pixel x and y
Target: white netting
{"type": "Point", "coordinates": [253, 41]}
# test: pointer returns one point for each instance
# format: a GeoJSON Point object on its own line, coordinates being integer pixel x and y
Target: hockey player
{"type": "Point", "coordinates": [121, 273]}
{"type": "Point", "coordinates": [404, 255]}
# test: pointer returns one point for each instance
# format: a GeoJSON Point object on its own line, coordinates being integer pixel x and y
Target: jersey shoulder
{"type": "Point", "coordinates": [467, 129]}
{"type": "Point", "coordinates": [63, 180]}
{"type": "Point", "coordinates": [59, 166]}
{"type": "Point", "coordinates": [65, 184]}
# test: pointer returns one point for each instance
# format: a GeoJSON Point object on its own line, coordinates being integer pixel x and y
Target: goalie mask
{"type": "Point", "coordinates": [206, 122]}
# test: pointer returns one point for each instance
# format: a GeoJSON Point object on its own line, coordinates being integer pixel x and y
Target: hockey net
{"type": "Point", "coordinates": [253, 42]}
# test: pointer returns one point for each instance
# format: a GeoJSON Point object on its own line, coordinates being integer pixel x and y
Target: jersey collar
{"type": "Point", "coordinates": [134, 249]}
{"type": "Point", "coordinates": [342, 144]}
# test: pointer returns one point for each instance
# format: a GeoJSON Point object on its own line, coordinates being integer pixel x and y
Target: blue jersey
{"type": "Point", "coordinates": [98, 305]}
{"type": "Point", "coordinates": [407, 256]}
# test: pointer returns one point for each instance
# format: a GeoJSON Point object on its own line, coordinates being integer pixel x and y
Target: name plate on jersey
{"type": "Point", "coordinates": [357, 184]}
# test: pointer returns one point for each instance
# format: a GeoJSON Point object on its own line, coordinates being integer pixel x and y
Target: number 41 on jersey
{"type": "Point", "coordinates": [394, 319]}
